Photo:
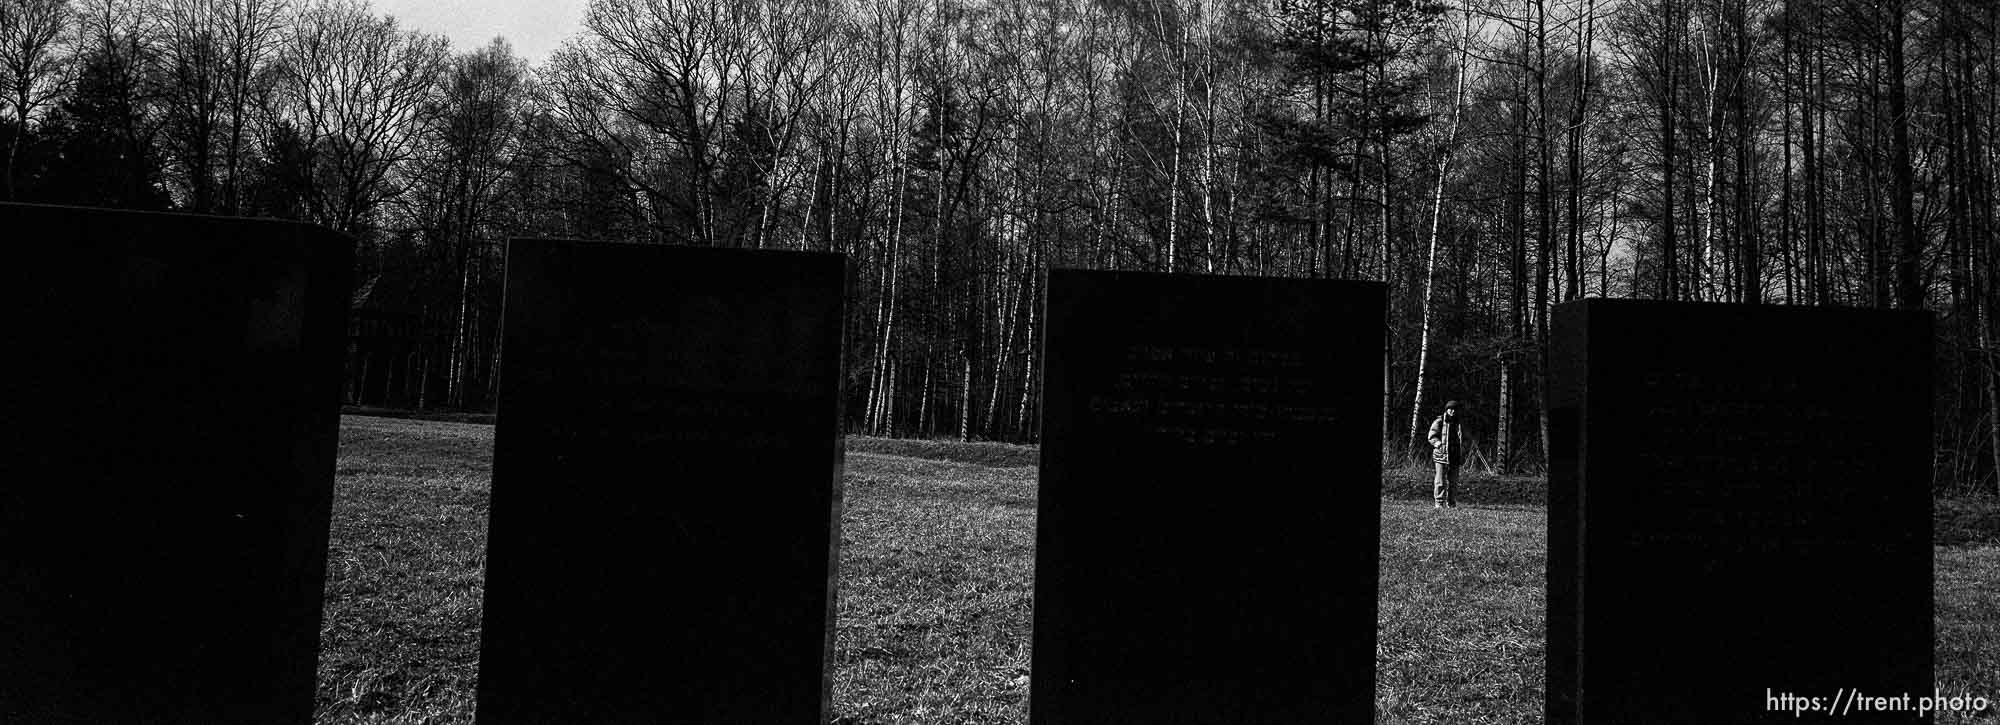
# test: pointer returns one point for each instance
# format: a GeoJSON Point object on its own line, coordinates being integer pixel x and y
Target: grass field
{"type": "Point", "coordinates": [936, 567]}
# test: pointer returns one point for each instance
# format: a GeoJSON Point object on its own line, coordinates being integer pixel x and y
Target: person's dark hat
{"type": "Point", "coordinates": [1449, 404]}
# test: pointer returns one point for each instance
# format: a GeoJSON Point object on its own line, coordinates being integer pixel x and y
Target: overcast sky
{"type": "Point", "coordinates": [534, 27]}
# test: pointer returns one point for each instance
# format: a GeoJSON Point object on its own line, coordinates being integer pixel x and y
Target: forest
{"type": "Point", "coordinates": [1487, 159]}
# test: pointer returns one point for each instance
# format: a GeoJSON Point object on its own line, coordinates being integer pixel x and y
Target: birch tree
{"type": "Point", "coordinates": [1446, 150]}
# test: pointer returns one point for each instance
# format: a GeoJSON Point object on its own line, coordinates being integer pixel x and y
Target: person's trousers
{"type": "Point", "coordinates": [1445, 490]}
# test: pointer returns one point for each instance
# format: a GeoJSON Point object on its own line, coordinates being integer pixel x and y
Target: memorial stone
{"type": "Point", "coordinates": [166, 464]}
{"type": "Point", "coordinates": [1209, 501]}
{"type": "Point", "coordinates": [1739, 510]}
{"type": "Point", "coordinates": [666, 486]}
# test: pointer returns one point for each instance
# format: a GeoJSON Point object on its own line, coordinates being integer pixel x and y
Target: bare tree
{"type": "Point", "coordinates": [664, 81]}
{"type": "Point", "coordinates": [191, 93]}
{"type": "Point", "coordinates": [251, 34]}
{"type": "Point", "coordinates": [33, 65]}
{"type": "Point", "coordinates": [471, 134]}
{"type": "Point", "coordinates": [353, 83]}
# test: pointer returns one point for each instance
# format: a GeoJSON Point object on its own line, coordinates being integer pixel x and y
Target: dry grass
{"type": "Point", "coordinates": [936, 569]}
{"type": "Point", "coordinates": [406, 565]}
{"type": "Point", "coordinates": [1967, 589]}
{"type": "Point", "coordinates": [1461, 609]}
{"type": "Point", "coordinates": [936, 583]}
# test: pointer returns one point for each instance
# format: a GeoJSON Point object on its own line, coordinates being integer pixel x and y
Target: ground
{"type": "Point", "coordinates": [936, 566]}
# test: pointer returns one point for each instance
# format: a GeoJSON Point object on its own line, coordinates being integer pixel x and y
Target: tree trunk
{"type": "Point", "coordinates": [1424, 331]}
{"type": "Point", "coordinates": [1504, 421]}
{"type": "Point", "coordinates": [1786, 224]}
{"type": "Point", "coordinates": [1030, 379]}
{"type": "Point", "coordinates": [1909, 247]}
{"type": "Point", "coordinates": [1545, 266]}
{"type": "Point", "coordinates": [884, 423]}
{"type": "Point", "coordinates": [1750, 259]}
{"type": "Point", "coordinates": [1208, 165]}
{"type": "Point", "coordinates": [923, 429]}
{"type": "Point", "coordinates": [1670, 282]}
{"type": "Point", "coordinates": [965, 396]}
{"type": "Point", "coordinates": [1005, 311]}
{"type": "Point", "coordinates": [1574, 283]}
{"type": "Point", "coordinates": [1815, 226]}
{"type": "Point", "coordinates": [1430, 256]}
{"type": "Point", "coordinates": [461, 339]}
{"type": "Point", "coordinates": [1703, 280]}
{"type": "Point", "coordinates": [1174, 175]}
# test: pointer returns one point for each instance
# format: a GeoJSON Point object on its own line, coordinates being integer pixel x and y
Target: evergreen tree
{"type": "Point", "coordinates": [99, 144]}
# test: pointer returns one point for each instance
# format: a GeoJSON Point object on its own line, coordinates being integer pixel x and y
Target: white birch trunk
{"type": "Point", "coordinates": [1430, 259]}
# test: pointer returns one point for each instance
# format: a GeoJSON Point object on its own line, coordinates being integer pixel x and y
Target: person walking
{"type": "Point", "coordinates": [1448, 452]}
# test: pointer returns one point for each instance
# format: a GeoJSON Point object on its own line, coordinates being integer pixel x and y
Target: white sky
{"type": "Point", "coordinates": [534, 27]}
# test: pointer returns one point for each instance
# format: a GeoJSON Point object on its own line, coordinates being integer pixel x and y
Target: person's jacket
{"type": "Point", "coordinates": [1446, 444]}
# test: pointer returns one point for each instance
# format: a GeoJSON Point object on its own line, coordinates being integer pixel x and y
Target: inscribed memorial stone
{"type": "Point", "coordinates": [1209, 500]}
{"type": "Point", "coordinates": [1739, 509]}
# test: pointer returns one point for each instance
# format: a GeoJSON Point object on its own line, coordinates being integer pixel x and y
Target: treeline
{"type": "Point", "coordinates": [1487, 161]}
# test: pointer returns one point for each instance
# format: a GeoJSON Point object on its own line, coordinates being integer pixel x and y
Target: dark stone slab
{"type": "Point", "coordinates": [1209, 500]}
{"type": "Point", "coordinates": [1739, 509]}
{"type": "Point", "coordinates": [666, 486]}
{"type": "Point", "coordinates": [166, 464]}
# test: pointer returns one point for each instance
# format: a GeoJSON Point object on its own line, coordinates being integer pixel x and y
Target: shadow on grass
{"type": "Point", "coordinates": [1413, 481]}
{"type": "Point", "coordinates": [984, 453]}
{"type": "Point", "coordinates": [445, 416]}
{"type": "Point", "coordinates": [1965, 522]}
